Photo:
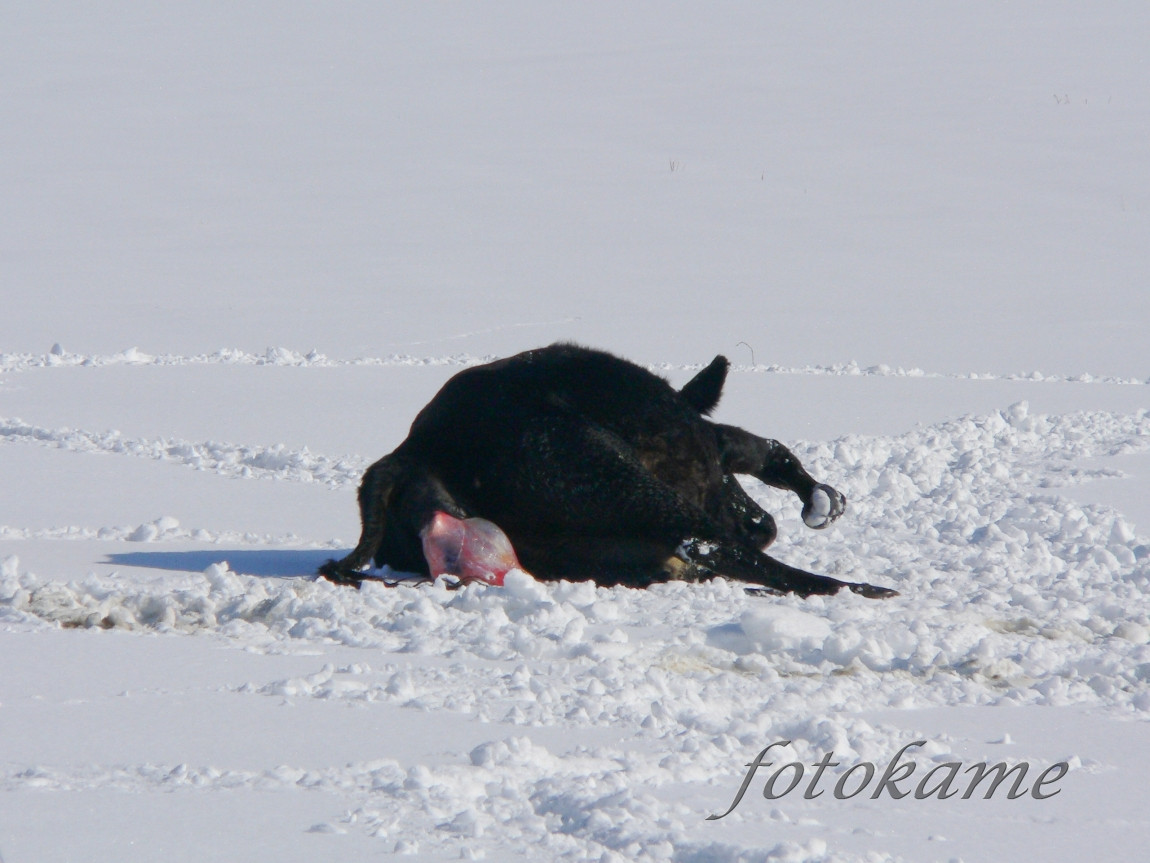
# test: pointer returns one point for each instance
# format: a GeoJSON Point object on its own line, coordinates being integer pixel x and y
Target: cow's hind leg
{"type": "Point", "coordinates": [376, 491]}
{"type": "Point", "coordinates": [413, 507]}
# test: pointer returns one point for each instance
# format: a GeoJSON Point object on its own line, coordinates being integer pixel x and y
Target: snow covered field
{"type": "Point", "coordinates": [240, 247]}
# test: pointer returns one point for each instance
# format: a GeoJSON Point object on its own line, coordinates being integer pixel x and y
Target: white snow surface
{"type": "Point", "coordinates": [241, 247]}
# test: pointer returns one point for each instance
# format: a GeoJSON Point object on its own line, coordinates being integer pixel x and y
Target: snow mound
{"type": "Point", "coordinates": [1010, 595]}
{"type": "Point", "coordinates": [1008, 590]}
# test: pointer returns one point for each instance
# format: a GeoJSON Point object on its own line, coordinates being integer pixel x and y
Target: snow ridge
{"type": "Point", "coordinates": [273, 356]}
{"type": "Point", "coordinates": [957, 516]}
{"type": "Point", "coordinates": [718, 675]}
{"type": "Point", "coordinates": [255, 462]}
{"type": "Point", "coordinates": [281, 356]}
{"type": "Point", "coordinates": [1011, 595]}
{"type": "Point", "coordinates": [163, 529]}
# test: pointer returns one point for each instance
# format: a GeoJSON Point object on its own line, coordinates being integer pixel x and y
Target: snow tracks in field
{"type": "Point", "coordinates": [1011, 594]}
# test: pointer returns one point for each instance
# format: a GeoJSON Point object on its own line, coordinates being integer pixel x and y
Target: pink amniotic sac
{"type": "Point", "coordinates": [470, 549]}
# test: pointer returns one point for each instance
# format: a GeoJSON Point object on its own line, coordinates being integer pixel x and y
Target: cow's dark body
{"type": "Point", "coordinates": [594, 468]}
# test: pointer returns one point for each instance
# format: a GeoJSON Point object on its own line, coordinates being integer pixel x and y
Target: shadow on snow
{"type": "Point", "coordinates": [268, 563]}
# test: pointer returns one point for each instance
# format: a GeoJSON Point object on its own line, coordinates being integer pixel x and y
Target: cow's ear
{"type": "Point", "coordinates": [704, 390]}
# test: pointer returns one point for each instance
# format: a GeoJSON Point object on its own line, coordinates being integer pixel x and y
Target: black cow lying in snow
{"type": "Point", "coordinates": [594, 468]}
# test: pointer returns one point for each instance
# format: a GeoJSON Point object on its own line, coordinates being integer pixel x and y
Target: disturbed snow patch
{"type": "Point", "coordinates": [1010, 595]}
{"type": "Point", "coordinates": [1029, 595]}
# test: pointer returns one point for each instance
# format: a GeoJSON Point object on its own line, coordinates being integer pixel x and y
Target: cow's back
{"type": "Point", "coordinates": [476, 427]}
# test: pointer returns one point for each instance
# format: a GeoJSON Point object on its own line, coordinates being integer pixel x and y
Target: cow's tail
{"type": "Point", "coordinates": [375, 495]}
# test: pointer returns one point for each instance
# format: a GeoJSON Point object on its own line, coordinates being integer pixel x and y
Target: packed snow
{"type": "Point", "coordinates": [242, 250]}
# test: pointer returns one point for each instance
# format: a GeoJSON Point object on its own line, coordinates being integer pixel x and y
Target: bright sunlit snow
{"type": "Point", "coordinates": [241, 246]}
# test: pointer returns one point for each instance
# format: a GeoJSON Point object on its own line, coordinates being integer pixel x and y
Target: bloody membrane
{"type": "Point", "coordinates": [470, 549]}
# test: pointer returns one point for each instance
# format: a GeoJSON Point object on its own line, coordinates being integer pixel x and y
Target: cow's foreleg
{"type": "Point", "coordinates": [753, 567]}
{"type": "Point", "coordinates": [744, 518]}
{"type": "Point", "coordinates": [772, 463]}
